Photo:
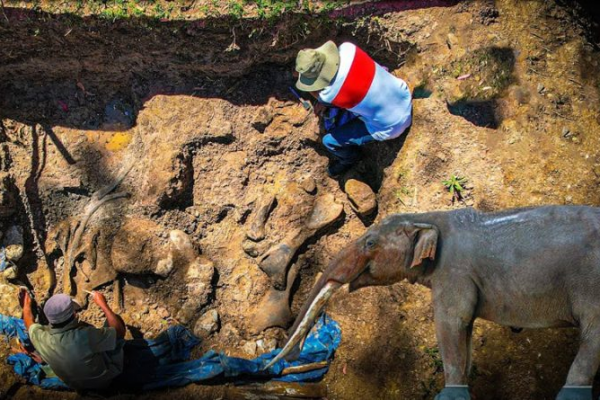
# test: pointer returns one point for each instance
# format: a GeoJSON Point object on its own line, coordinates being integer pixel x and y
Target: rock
{"type": "Point", "coordinates": [254, 249]}
{"type": "Point", "coordinates": [308, 184]}
{"type": "Point", "coordinates": [361, 196]}
{"type": "Point", "coordinates": [187, 312]}
{"type": "Point", "coordinates": [262, 118]}
{"type": "Point", "coordinates": [198, 279]}
{"type": "Point", "coordinates": [222, 129]}
{"type": "Point", "coordinates": [229, 332]}
{"type": "Point", "coordinates": [9, 273]}
{"type": "Point", "coordinates": [568, 199]}
{"type": "Point", "coordinates": [296, 115]}
{"type": "Point", "coordinates": [266, 345]}
{"type": "Point", "coordinates": [164, 266]}
{"type": "Point", "coordinates": [249, 348]}
{"type": "Point", "coordinates": [181, 246]}
{"type": "Point", "coordinates": [540, 88]}
{"type": "Point", "coordinates": [207, 324]}
{"type": "Point", "coordinates": [163, 312]}
{"type": "Point", "coordinates": [451, 40]}
{"type": "Point", "coordinates": [12, 241]}
{"type": "Point", "coordinates": [10, 302]}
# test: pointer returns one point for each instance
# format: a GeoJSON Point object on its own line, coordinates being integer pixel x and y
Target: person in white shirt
{"type": "Point", "coordinates": [347, 78]}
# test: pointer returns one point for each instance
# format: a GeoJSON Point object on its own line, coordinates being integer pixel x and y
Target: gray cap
{"type": "Point", "coordinates": [59, 308]}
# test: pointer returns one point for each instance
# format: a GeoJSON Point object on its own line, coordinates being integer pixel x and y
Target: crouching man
{"type": "Point", "coordinates": [82, 356]}
{"type": "Point", "coordinates": [345, 77]}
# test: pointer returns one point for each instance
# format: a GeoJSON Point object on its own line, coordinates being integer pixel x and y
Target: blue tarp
{"type": "Point", "coordinates": [164, 361]}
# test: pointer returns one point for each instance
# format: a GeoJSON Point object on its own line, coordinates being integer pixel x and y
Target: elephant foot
{"type": "Point", "coordinates": [454, 393]}
{"type": "Point", "coordinates": [575, 393]}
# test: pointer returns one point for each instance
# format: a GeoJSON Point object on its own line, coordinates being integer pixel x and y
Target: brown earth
{"type": "Point", "coordinates": [201, 111]}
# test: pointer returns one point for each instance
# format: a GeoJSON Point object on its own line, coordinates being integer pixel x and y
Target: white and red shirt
{"type": "Point", "coordinates": [365, 88]}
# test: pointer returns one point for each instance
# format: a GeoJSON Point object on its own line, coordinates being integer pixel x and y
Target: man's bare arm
{"type": "Point", "coordinates": [26, 303]}
{"type": "Point", "coordinates": [113, 320]}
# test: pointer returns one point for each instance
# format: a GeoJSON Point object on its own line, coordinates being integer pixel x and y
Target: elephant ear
{"type": "Point", "coordinates": [426, 244]}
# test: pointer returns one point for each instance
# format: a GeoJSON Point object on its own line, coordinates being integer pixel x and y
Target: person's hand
{"type": "Point", "coordinates": [99, 299]}
{"type": "Point", "coordinates": [319, 109]}
{"type": "Point", "coordinates": [24, 298]}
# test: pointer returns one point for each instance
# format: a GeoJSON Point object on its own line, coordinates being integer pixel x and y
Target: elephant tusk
{"type": "Point", "coordinates": [307, 321]}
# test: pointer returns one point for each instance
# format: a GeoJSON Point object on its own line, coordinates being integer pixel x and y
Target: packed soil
{"type": "Point", "coordinates": [507, 96]}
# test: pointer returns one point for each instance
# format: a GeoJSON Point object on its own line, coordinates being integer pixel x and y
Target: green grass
{"type": "Point", "coordinates": [268, 10]}
{"type": "Point", "coordinates": [113, 14]}
{"type": "Point", "coordinates": [236, 8]}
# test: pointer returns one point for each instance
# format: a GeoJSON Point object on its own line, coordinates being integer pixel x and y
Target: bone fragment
{"type": "Point", "coordinates": [274, 307]}
{"type": "Point", "coordinates": [256, 231]}
{"type": "Point", "coordinates": [74, 249]}
{"type": "Point", "coordinates": [276, 261]}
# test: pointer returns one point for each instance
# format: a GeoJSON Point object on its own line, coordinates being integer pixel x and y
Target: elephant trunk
{"type": "Point", "coordinates": [343, 269]}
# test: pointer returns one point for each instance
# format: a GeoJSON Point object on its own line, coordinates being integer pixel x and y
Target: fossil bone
{"type": "Point", "coordinates": [277, 259]}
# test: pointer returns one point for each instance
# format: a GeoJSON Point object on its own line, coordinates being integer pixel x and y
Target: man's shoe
{"type": "Point", "coordinates": [336, 168]}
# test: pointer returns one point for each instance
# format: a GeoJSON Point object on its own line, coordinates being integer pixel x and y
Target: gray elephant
{"type": "Point", "coordinates": [530, 268]}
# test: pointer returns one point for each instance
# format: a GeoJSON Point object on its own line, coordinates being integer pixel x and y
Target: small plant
{"type": "Point", "coordinates": [401, 193]}
{"type": "Point", "coordinates": [455, 186]}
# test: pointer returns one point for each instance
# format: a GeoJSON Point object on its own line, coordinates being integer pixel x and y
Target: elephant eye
{"type": "Point", "coordinates": [370, 243]}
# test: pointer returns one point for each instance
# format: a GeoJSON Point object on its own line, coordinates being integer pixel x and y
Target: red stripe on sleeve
{"type": "Point", "coordinates": [357, 82]}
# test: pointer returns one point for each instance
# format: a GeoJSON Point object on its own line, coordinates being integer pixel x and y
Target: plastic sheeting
{"type": "Point", "coordinates": [164, 361]}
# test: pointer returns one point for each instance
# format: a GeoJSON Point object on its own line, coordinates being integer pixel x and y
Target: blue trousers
{"type": "Point", "coordinates": [343, 141]}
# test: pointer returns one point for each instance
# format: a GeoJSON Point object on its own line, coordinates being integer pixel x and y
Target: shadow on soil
{"type": "Point", "coordinates": [479, 102]}
{"type": "Point", "coordinates": [93, 73]}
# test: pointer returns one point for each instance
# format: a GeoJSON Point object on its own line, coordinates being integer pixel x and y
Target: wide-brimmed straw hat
{"type": "Point", "coordinates": [317, 67]}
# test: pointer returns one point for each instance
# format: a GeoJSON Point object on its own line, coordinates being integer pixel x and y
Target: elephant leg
{"type": "Point", "coordinates": [454, 317]}
{"type": "Point", "coordinates": [582, 371]}
{"type": "Point", "coordinates": [453, 335]}
{"type": "Point", "coordinates": [469, 347]}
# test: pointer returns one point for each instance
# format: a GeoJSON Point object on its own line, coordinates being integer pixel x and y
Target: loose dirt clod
{"type": "Point", "coordinates": [361, 196]}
